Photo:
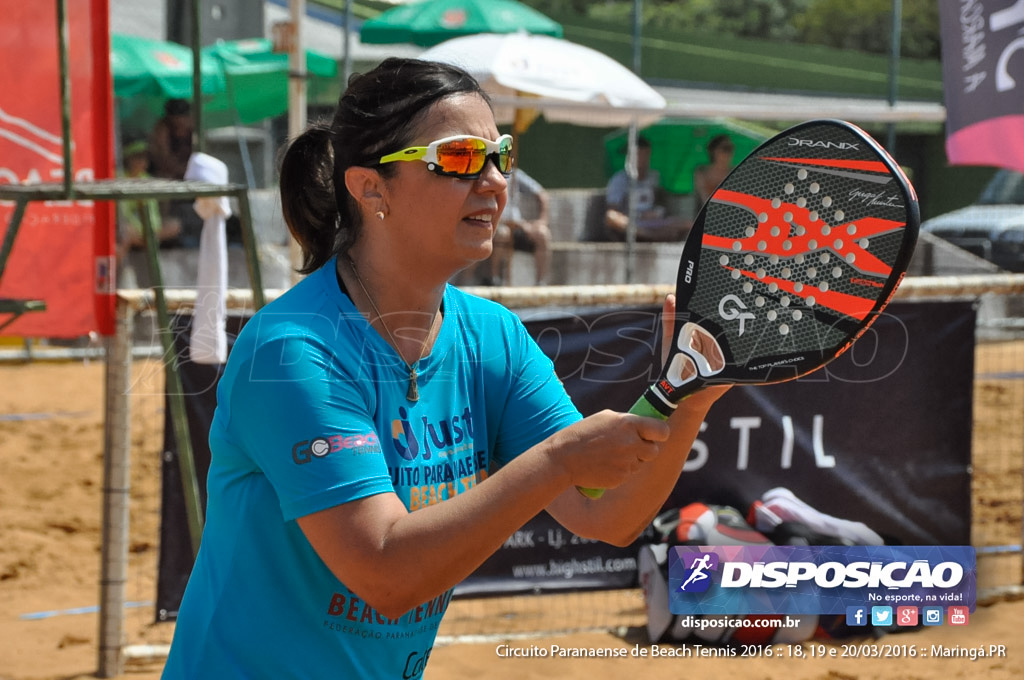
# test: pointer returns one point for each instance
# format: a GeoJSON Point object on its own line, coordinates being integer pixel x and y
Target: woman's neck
{"type": "Point", "coordinates": [403, 308]}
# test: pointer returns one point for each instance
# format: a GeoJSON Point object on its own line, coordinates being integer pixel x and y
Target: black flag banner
{"type": "Point", "coordinates": [983, 75]}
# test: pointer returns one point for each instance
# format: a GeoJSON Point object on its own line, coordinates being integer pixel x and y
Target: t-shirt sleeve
{"type": "Point", "coordinates": [615, 192]}
{"type": "Point", "coordinates": [306, 425]}
{"type": "Point", "coordinates": [536, 405]}
{"type": "Point", "coordinates": [528, 185]}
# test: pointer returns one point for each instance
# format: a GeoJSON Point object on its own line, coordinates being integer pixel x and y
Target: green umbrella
{"type": "Point", "coordinates": [148, 72]}
{"type": "Point", "coordinates": [243, 81]}
{"type": "Point", "coordinates": [256, 51]}
{"type": "Point", "coordinates": [679, 145]}
{"type": "Point", "coordinates": [257, 77]}
{"type": "Point", "coordinates": [429, 22]}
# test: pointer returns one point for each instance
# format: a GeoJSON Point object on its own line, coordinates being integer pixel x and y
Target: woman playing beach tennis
{"type": "Point", "coordinates": [378, 433]}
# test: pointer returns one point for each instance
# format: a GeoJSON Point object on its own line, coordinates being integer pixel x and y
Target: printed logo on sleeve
{"type": "Point", "coordinates": [308, 450]}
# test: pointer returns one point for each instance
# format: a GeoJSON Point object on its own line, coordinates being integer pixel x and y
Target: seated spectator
{"type": "Point", "coordinates": [130, 221]}
{"type": "Point", "coordinates": [524, 227]}
{"type": "Point", "coordinates": [170, 147]}
{"type": "Point", "coordinates": [131, 242]}
{"type": "Point", "coordinates": [706, 178]}
{"type": "Point", "coordinates": [517, 231]}
{"type": "Point", "coordinates": [653, 221]}
{"type": "Point", "coordinates": [170, 143]}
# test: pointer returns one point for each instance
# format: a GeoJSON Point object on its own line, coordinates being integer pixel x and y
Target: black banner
{"type": "Point", "coordinates": [880, 436]}
{"type": "Point", "coordinates": [983, 79]}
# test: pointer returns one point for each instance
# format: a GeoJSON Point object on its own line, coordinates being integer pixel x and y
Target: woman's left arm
{"type": "Point", "coordinates": [622, 513]}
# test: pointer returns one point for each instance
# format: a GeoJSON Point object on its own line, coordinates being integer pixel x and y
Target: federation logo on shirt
{"type": "Point", "coordinates": [308, 450]}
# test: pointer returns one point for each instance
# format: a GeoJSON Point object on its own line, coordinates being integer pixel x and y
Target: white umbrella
{"type": "Point", "coordinates": [573, 84]}
{"type": "Point", "coordinates": [603, 92]}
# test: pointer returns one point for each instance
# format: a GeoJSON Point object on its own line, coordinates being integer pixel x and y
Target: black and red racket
{"type": "Point", "coordinates": [795, 255]}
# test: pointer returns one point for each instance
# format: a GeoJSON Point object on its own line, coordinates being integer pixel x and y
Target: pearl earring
{"type": "Point", "coordinates": [380, 215]}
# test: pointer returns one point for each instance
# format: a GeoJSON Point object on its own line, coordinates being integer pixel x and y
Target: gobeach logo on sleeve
{"type": "Point", "coordinates": [850, 580]}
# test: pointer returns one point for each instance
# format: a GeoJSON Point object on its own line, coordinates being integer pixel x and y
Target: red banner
{"type": "Point", "coordinates": [63, 252]}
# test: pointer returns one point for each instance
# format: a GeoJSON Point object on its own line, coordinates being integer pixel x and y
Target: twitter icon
{"type": "Point", "coordinates": [881, 616]}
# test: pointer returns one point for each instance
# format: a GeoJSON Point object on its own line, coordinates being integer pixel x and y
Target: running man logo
{"type": "Point", "coordinates": [697, 577]}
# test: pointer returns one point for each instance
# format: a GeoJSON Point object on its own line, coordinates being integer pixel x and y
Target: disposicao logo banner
{"type": "Point", "coordinates": [818, 579]}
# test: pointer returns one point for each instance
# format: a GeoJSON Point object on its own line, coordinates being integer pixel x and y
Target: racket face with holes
{"type": "Point", "coordinates": [790, 260]}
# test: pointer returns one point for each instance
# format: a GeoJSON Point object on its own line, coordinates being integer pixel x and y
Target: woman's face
{"type": "Point", "coordinates": [451, 221]}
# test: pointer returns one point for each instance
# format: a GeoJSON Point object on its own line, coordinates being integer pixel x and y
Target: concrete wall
{"type": "Point", "coordinates": [574, 214]}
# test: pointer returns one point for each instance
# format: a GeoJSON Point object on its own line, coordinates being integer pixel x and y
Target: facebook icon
{"type": "Point", "coordinates": [856, 616]}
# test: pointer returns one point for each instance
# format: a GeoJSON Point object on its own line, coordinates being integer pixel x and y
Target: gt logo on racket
{"type": "Point", "coordinates": [733, 313]}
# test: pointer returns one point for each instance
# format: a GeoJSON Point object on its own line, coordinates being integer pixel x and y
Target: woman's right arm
{"type": "Point", "coordinates": [396, 559]}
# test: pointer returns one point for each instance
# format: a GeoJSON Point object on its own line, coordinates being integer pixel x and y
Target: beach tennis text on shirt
{"type": "Point", "coordinates": [818, 579]}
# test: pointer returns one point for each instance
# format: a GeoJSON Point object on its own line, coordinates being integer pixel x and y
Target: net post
{"type": "Point", "coordinates": [252, 258]}
{"type": "Point", "coordinates": [173, 389]}
{"type": "Point", "coordinates": [116, 492]}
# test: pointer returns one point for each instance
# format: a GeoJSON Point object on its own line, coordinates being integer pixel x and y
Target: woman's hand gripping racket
{"type": "Point", "coordinates": [795, 254]}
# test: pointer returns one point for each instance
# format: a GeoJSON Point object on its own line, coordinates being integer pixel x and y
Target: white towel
{"type": "Point", "coordinates": [208, 343]}
{"type": "Point", "coordinates": [781, 505]}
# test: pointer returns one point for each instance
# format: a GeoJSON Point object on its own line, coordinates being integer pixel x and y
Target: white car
{"type": "Point", "coordinates": [993, 226]}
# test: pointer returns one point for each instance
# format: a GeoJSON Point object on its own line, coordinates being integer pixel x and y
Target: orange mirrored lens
{"type": "Point", "coordinates": [462, 156]}
{"type": "Point", "coordinates": [468, 156]}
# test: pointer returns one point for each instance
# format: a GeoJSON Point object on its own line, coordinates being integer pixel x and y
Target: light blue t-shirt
{"type": "Point", "coordinates": [312, 413]}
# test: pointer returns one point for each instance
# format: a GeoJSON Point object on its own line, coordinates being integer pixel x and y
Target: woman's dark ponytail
{"type": "Point", "coordinates": [307, 196]}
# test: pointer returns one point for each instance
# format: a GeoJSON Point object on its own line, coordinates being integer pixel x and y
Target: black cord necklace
{"type": "Point", "coordinates": [412, 393]}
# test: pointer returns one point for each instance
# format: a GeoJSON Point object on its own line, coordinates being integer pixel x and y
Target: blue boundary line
{"type": "Point", "coordinates": [36, 616]}
{"type": "Point", "coordinates": [1008, 375]}
{"type": "Point", "coordinates": [993, 549]}
{"type": "Point", "coordinates": [17, 417]}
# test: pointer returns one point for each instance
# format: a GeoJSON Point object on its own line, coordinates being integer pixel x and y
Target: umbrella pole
{"type": "Point", "coordinates": [65, 96]}
{"type": "Point", "coordinates": [634, 214]}
{"type": "Point", "coordinates": [197, 80]}
{"type": "Point", "coordinates": [296, 100]}
{"type": "Point", "coordinates": [243, 145]}
{"type": "Point", "coordinates": [348, 46]}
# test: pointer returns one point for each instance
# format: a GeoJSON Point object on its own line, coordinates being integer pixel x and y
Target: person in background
{"type": "Point", "coordinates": [516, 231]}
{"type": "Point", "coordinates": [653, 221]}
{"type": "Point", "coordinates": [170, 143]}
{"type": "Point", "coordinates": [380, 433]}
{"type": "Point", "coordinates": [170, 147]}
{"type": "Point", "coordinates": [136, 166]}
{"type": "Point", "coordinates": [706, 178]}
{"type": "Point", "coordinates": [131, 242]}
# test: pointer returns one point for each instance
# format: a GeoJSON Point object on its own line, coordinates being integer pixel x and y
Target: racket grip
{"type": "Point", "coordinates": [642, 407]}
